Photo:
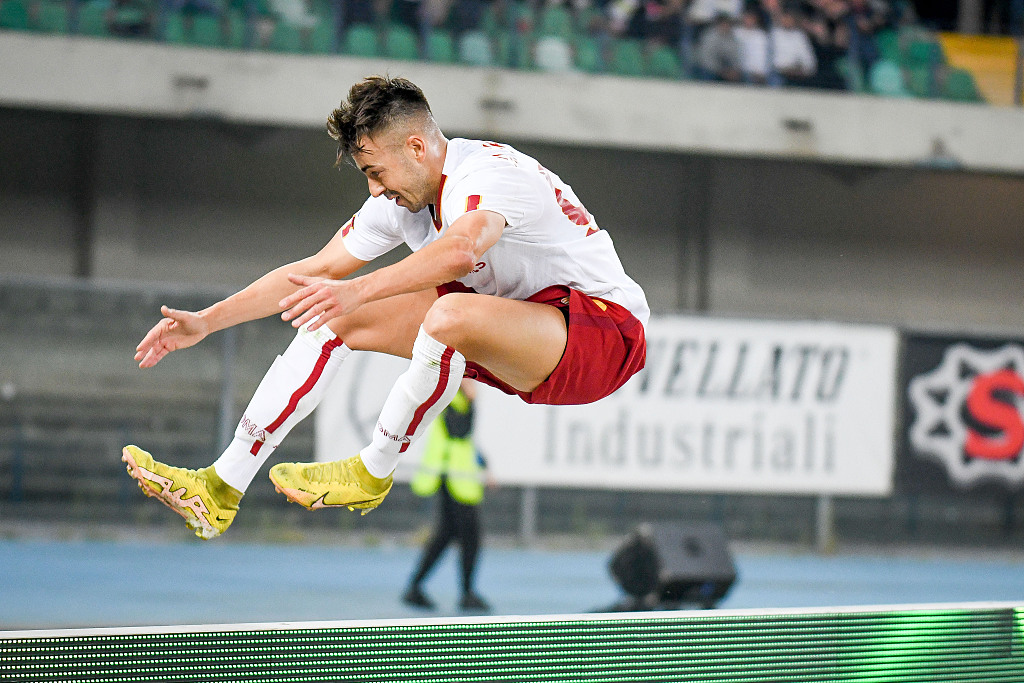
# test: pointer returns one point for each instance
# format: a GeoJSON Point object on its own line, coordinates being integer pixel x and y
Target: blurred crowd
{"type": "Point", "coordinates": [834, 44]}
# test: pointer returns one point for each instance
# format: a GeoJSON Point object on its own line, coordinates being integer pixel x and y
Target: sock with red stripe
{"type": "Point", "coordinates": [290, 391]}
{"type": "Point", "coordinates": [418, 396]}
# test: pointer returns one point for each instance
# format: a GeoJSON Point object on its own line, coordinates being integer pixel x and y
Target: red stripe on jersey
{"type": "Point", "coordinates": [472, 202]}
{"type": "Point", "coordinates": [347, 228]}
{"type": "Point", "coordinates": [442, 383]}
{"type": "Point", "coordinates": [436, 215]}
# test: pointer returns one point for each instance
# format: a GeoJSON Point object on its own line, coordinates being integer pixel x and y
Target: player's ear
{"type": "Point", "coordinates": [416, 147]}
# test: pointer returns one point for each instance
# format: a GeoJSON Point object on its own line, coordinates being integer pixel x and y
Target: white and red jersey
{"type": "Point", "coordinates": [549, 239]}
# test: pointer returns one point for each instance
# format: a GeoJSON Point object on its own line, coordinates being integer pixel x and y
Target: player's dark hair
{"type": "Point", "coordinates": [374, 104]}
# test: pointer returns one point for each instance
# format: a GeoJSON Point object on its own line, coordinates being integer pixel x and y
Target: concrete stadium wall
{"type": "Point", "coordinates": [216, 203]}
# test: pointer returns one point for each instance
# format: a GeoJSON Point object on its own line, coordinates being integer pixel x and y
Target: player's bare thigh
{"type": "Point", "coordinates": [520, 342]}
{"type": "Point", "coordinates": [387, 326]}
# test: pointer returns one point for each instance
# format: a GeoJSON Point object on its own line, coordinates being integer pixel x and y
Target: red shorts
{"type": "Point", "coordinates": [605, 347]}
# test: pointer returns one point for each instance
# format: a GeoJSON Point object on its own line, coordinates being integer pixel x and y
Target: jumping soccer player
{"type": "Point", "coordinates": [510, 282]}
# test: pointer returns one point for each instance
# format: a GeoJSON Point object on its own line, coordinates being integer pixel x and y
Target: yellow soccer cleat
{"type": "Point", "coordinates": [342, 483]}
{"type": "Point", "coordinates": [200, 496]}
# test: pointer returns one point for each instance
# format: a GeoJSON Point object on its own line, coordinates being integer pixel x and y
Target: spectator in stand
{"type": "Point", "coordinates": [863, 19]}
{"type": "Point", "coordinates": [662, 22]}
{"type": "Point", "coordinates": [702, 13]}
{"type": "Point", "coordinates": [718, 51]}
{"type": "Point", "coordinates": [131, 18]}
{"type": "Point", "coordinates": [793, 55]}
{"type": "Point", "coordinates": [828, 38]}
{"type": "Point", "coordinates": [753, 42]}
{"type": "Point", "coordinates": [626, 18]}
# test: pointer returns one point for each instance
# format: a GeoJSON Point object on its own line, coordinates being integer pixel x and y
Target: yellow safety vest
{"type": "Point", "coordinates": [451, 457]}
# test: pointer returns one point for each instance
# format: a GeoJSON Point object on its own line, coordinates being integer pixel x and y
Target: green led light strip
{"type": "Point", "coordinates": [973, 642]}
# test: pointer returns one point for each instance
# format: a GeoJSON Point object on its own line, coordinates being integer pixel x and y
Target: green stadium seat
{"type": "Point", "coordinates": [286, 38]}
{"type": "Point", "coordinates": [852, 74]}
{"type": "Point", "coordinates": [886, 79]}
{"type": "Point", "coordinates": [888, 42]}
{"type": "Point", "coordinates": [361, 41]}
{"type": "Point", "coordinates": [174, 29]}
{"type": "Point", "coordinates": [475, 49]}
{"type": "Point", "coordinates": [663, 63]}
{"type": "Point", "coordinates": [441, 47]}
{"type": "Point", "coordinates": [513, 50]}
{"type": "Point", "coordinates": [588, 54]}
{"type": "Point", "coordinates": [92, 18]}
{"type": "Point", "coordinates": [555, 20]}
{"type": "Point", "coordinates": [14, 15]}
{"type": "Point", "coordinates": [921, 80]}
{"type": "Point", "coordinates": [924, 53]}
{"type": "Point", "coordinates": [627, 58]}
{"type": "Point", "coordinates": [401, 42]}
{"type": "Point", "coordinates": [321, 38]}
{"type": "Point", "coordinates": [52, 17]}
{"type": "Point", "coordinates": [959, 86]}
{"type": "Point", "coordinates": [206, 31]}
{"type": "Point", "coordinates": [236, 29]}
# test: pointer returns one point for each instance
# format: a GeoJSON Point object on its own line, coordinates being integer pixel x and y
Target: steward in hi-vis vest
{"type": "Point", "coordinates": [451, 457]}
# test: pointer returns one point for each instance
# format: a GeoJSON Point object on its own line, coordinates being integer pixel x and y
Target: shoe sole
{"type": "Point", "coordinates": [202, 528]}
{"type": "Point", "coordinates": [302, 498]}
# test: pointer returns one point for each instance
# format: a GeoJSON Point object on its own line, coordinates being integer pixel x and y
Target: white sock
{"type": "Point", "coordinates": [291, 389]}
{"type": "Point", "coordinates": [419, 396]}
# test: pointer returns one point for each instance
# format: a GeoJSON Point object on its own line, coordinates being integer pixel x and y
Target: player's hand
{"type": "Point", "coordinates": [177, 330]}
{"type": "Point", "coordinates": [318, 297]}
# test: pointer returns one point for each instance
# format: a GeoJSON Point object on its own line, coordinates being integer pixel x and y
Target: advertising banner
{"type": "Point", "coordinates": [722, 405]}
{"type": "Point", "coordinates": [964, 412]}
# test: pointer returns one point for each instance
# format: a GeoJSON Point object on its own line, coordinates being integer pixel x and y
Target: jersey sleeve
{"type": "Point", "coordinates": [372, 231]}
{"type": "Point", "coordinates": [504, 190]}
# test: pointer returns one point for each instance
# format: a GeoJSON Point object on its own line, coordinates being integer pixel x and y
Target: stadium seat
{"type": "Point", "coordinates": [513, 50]}
{"type": "Point", "coordinates": [552, 53]}
{"type": "Point", "coordinates": [206, 31]}
{"type": "Point", "coordinates": [959, 86]}
{"type": "Point", "coordinates": [924, 53]}
{"type": "Point", "coordinates": [627, 58]}
{"type": "Point", "coordinates": [588, 54]}
{"type": "Point", "coordinates": [92, 18]}
{"type": "Point", "coordinates": [14, 15]}
{"type": "Point", "coordinates": [286, 38]}
{"type": "Point", "coordinates": [52, 17]}
{"type": "Point", "coordinates": [663, 63]}
{"type": "Point", "coordinates": [888, 42]}
{"type": "Point", "coordinates": [361, 41]}
{"type": "Point", "coordinates": [401, 42]}
{"type": "Point", "coordinates": [921, 80]}
{"type": "Point", "coordinates": [174, 29]}
{"type": "Point", "coordinates": [475, 49]}
{"type": "Point", "coordinates": [441, 47]}
{"type": "Point", "coordinates": [886, 79]}
{"type": "Point", "coordinates": [555, 20]}
{"type": "Point", "coordinates": [321, 38]}
{"type": "Point", "coordinates": [236, 30]}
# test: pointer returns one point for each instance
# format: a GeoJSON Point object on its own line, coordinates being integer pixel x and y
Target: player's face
{"type": "Point", "coordinates": [394, 168]}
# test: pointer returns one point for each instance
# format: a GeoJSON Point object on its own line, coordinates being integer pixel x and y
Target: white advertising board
{"type": "Point", "coordinates": [722, 406]}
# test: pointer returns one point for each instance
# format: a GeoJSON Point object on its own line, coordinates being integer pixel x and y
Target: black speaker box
{"type": "Point", "coordinates": [666, 565]}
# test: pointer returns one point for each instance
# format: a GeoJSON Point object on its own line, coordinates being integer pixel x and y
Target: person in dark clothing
{"type": "Point", "coordinates": [453, 469]}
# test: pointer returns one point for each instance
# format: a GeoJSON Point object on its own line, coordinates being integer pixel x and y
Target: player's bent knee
{"type": "Point", "coordinates": [447, 320]}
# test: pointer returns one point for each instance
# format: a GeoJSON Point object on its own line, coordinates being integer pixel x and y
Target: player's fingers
{"type": "Point", "coordinates": [313, 297]}
{"type": "Point", "coordinates": [294, 298]}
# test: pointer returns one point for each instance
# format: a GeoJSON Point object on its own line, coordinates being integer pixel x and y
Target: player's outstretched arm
{"type": "Point", "coordinates": [452, 256]}
{"type": "Point", "coordinates": [182, 329]}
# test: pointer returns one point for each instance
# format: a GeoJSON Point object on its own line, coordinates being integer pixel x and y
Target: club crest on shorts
{"type": "Point", "coordinates": [969, 413]}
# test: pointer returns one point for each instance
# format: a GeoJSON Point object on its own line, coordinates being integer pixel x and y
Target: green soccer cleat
{"type": "Point", "coordinates": [200, 496]}
{"type": "Point", "coordinates": [342, 483]}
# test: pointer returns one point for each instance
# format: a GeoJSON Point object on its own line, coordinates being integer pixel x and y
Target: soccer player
{"type": "Point", "coordinates": [511, 282]}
